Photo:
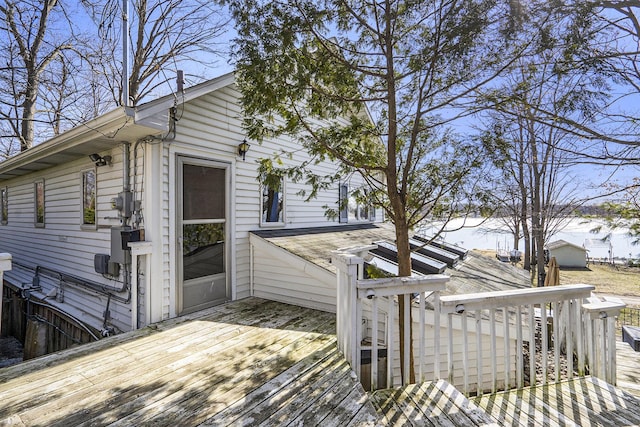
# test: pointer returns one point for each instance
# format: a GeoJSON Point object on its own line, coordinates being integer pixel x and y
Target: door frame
{"type": "Point", "coordinates": [229, 245]}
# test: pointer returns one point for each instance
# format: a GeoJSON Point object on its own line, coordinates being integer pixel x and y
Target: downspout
{"type": "Point", "coordinates": [126, 189]}
{"type": "Point", "coordinates": [126, 174]}
{"type": "Point", "coordinates": [5, 265]}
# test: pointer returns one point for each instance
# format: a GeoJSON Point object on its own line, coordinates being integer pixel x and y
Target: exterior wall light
{"type": "Point", "coordinates": [100, 160]}
{"type": "Point", "coordinates": [243, 148]}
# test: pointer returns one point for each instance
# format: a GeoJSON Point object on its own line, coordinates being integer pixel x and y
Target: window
{"type": "Point", "coordinates": [38, 189]}
{"type": "Point", "coordinates": [272, 202]}
{"type": "Point", "coordinates": [354, 206]}
{"type": "Point", "coordinates": [89, 198]}
{"type": "Point", "coordinates": [4, 206]}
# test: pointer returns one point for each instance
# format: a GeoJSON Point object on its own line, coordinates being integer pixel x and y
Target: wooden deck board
{"type": "Point", "coordinates": [627, 368]}
{"type": "Point", "coordinates": [579, 402]}
{"type": "Point", "coordinates": [251, 360]}
{"type": "Point", "coordinates": [153, 365]}
{"type": "Point", "coordinates": [429, 404]}
{"type": "Point", "coordinates": [231, 383]}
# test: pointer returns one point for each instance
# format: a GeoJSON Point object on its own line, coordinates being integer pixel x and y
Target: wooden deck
{"type": "Point", "coordinates": [580, 402]}
{"type": "Point", "coordinates": [628, 368]}
{"type": "Point", "coordinates": [250, 362]}
{"type": "Point", "coordinates": [256, 362]}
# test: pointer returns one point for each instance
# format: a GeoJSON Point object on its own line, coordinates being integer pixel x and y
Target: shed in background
{"type": "Point", "coordinates": [568, 254]}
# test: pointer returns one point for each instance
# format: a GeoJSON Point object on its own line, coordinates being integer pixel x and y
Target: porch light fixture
{"type": "Point", "coordinates": [243, 147]}
{"type": "Point", "coordinates": [100, 160]}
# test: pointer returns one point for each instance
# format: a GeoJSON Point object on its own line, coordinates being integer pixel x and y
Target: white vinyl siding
{"type": "Point", "coordinates": [64, 245]}
{"type": "Point", "coordinates": [282, 276]}
{"type": "Point", "coordinates": [211, 128]}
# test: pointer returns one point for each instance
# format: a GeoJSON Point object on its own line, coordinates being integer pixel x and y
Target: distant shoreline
{"type": "Point", "coordinates": [491, 234]}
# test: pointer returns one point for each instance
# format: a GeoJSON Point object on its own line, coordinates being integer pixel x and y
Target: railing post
{"type": "Point", "coordinates": [5, 265]}
{"type": "Point", "coordinates": [139, 249]}
{"type": "Point", "coordinates": [348, 326]}
{"type": "Point", "coordinates": [601, 339]}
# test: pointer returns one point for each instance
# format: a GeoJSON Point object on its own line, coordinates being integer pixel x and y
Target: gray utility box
{"type": "Point", "coordinates": [118, 250]}
{"type": "Point", "coordinates": [631, 335]}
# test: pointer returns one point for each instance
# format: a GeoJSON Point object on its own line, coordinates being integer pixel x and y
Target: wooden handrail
{"type": "Point", "coordinates": [499, 299]}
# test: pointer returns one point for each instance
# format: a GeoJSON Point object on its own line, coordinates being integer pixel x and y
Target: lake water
{"type": "Point", "coordinates": [492, 235]}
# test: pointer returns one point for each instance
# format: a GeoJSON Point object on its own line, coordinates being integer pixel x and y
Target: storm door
{"type": "Point", "coordinates": [202, 234]}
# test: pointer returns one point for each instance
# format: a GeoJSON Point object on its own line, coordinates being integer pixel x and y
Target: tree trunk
{"type": "Point", "coordinates": [28, 115]}
{"type": "Point", "coordinates": [404, 269]}
{"type": "Point", "coordinates": [525, 225]}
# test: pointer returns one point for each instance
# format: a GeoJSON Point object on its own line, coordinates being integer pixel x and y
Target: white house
{"type": "Point", "coordinates": [153, 212]}
{"type": "Point", "coordinates": [568, 254]}
{"type": "Point", "coordinates": [144, 213]}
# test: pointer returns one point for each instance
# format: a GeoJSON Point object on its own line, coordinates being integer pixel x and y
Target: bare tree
{"type": "Point", "coordinates": [36, 34]}
{"type": "Point", "coordinates": [55, 76]}
{"type": "Point", "coordinates": [164, 34]}
{"type": "Point", "coordinates": [536, 157]}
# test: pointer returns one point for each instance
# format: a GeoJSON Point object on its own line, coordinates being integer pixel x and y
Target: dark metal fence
{"type": "Point", "coordinates": [629, 317]}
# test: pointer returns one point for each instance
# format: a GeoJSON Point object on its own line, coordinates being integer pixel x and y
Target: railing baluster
{"type": "Point", "coordinates": [532, 345]}
{"type": "Point", "coordinates": [556, 339]}
{"type": "Point", "coordinates": [374, 344]}
{"type": "Point", "coordinates": [611, 347]}
{"type": "Point", "coordinates": [479, 352]}
{"type": "Point", "coordinates": [569, 309]}
{"type": "Point", "coordinates": [465, 354]}
{"type": "Point", "coordinates": [545, 341]}
{"type": "Point", "coordinates": [580, 337]}
{"type": "Point", "coordinates": [357, 343]}
{"type": "Point", "coordinates": [421, 340]}
{"type": "Point", "coordinates": [507, 349]}
{"type": "Point", "coordinates": [519, 348]}
{"type": "Point", "coordinates": [450, 348]}
{"type": "Point", "coordinates": [590, 345]}
{"type": "Point", "coordinates": [390, 334]}
{"type": "Point", "coordinates": [436, 335]}
{"type": "Point", "coordinates": [492, 333]}
{"type": "Point", "coordinates": [602, 343]}
{"type": "Point", "coordinates": [407, 338]}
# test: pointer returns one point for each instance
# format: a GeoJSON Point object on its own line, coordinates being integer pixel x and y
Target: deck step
{"type": "Point", "coordinates": [435, 403]}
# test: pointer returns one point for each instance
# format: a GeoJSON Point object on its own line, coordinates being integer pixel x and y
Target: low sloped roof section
{"type": "Point", "coordinates": [123, 124]}
{"type": "Point", "coordinates": [476, 273]}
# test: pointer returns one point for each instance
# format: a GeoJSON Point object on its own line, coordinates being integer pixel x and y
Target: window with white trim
{"type": "Point", "coordinates": [353, 207]}
{"type": "Point", "coordinates": [38, 201]}
{"type": "Point", "coordinates": [4, 206]}
{"type": "Point", "coordinates": [89, 198]}
{"type": "Point", "coordinates": [272, 203]}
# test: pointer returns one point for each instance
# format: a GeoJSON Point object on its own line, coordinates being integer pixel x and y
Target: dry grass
{"type": "Point", "coordinates": [608, 279]}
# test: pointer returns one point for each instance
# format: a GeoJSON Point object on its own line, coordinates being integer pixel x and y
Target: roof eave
{"type": "Point", "coordinates": [107, 131]}
{"type": "Point", "coordinates": [99, 134]}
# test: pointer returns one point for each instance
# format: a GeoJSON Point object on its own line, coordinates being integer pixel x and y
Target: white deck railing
{"type": "Point", "coordinates": [490, 341]}
{"type": "Point", "coordinates": [5, 265]}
